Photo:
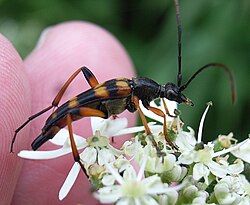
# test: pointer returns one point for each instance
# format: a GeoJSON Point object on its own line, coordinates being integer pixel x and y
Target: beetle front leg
{"type": "Point", "coordinates": [157, 112]}
{"type": "Point", "coordinates": [144, 121]}
{"type": "Point", "coordinates": [142, 116]}
{"type": "Point", "coordinates": [163, 115]}
{"type": "Point", "coordinates": [166, 108]}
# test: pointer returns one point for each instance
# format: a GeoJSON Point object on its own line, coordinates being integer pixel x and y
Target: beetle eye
{"type": "Point", "coordinates": [171, 95]}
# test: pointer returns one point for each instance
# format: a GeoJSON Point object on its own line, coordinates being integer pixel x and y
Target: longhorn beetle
{"type": "Point", "coordinates": [113, 97]}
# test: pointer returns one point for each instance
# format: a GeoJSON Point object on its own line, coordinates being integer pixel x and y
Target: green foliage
{"type": "Point", "coordinates": [213, 31]}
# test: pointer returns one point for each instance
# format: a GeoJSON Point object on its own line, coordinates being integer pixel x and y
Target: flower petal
{"type": "Point", "coordinates": [202, 122]}
{"type": "Point", "coordinates": [108, 127]}
{"type": "Point", "coordinates": [70, 180]}
{"type": "Point", "coordinates": [186, 140]}
{"type": "Point", "coordinates": [108, 180]}
{"type": "Point", "coordinates": [217, 169]}
{"type": "Point", "coordinates": [60, 137]}
{"type": "Point", "coordinates": [129, 130]}
{"type": "Point", "coordinates": [107, 154]}
{"type": "Point", "coordinates": [236, 167]}
{"type": "Point", "coordinates": [171, 107]}
{"type": "Point", "coordinates": [150, 114]}
{"type": "Point", "coordinates": [63, 135]}
{"type": "Point", "coordinates": [152, 125]}
{"type": "Point", "coordinates": [109, 194]}
{"type": "Point", "coordinates": [199, 171]}
{"type": "Point", "coordinates": [89, 155]}
{"type": "Point", "coordinates": [113, 126]}
{"type": "Point", "coordinates": [243, 151]}
{"type": "Point", "coordinates": [115, 151]}
{"type": "Point", "coordinates": [29, 154]}
{"type": "Point", "coordinates": [126, 201]}
{"type": "Point", "coordinates": [164, 188]}
{"type": "Point", "coordinates": [112, 170]}
{"type": "Point", "coordinates": [97, 123]}
{"type": "Point", "coordinates": [129, 174]}
{"type": "Point", "coordinates": [186, 157]}
{"type": "Point", "coordinates": [147, 200]}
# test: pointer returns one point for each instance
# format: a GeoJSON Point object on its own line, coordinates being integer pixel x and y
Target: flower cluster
{"type": "Point", "coordinates": [147, 170]}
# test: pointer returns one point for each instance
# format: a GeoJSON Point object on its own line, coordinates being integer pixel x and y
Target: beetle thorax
{"type": "Point", "coordinates": [146, 89]}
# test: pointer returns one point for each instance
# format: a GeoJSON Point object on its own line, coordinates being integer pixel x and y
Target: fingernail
{"type": "Point", "coordinates": [42, 38]}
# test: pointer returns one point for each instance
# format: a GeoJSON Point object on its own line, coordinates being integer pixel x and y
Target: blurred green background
{"type": "Point", "coordinates": [213, 31]}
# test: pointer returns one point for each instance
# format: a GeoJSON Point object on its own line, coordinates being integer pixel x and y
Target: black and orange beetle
{"type": "Point", "coordinates": [113, 97]}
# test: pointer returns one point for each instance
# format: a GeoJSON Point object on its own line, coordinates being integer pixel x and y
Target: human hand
{"type": "Point", "coordinates": [61, 50]}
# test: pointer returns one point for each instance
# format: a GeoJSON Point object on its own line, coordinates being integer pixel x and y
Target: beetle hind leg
{"type": "Point", "coordinates": [81, 112]}
{"type": "Point", "coordinates": [73, 145]}
{"type": "Point", "coordinates": [91, 79]}
{"type": "Point", "coordinates": [25, 123]}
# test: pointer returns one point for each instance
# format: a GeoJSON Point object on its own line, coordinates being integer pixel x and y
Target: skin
{"type": "Point", "coordinates": [30, 85]}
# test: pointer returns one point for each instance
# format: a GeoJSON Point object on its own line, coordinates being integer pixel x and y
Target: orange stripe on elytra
{"type": "Point", "coordinates": [123, 88]}
{"type": "Point", "coordinates": [101, 91]}
{"type": "Point", "coordinates": [73, 102]}
{"type": "Point", "coordinates": [121, 83]}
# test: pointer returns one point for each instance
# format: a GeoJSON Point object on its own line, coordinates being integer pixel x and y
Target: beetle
{"type": "Point", "coordinates": [112, 97]}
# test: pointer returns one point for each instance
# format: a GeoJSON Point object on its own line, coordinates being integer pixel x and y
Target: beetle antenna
{"type": "Point", "coordinates": [214, 65]}
{"type": "Point", "coordinates": [178, 17]}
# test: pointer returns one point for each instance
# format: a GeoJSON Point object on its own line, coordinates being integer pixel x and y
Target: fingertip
{"type": "Point", "coordinates": [67, 46]}
{"type": "Point", "coordinates": [14, 108]}
{"type": "Point", "coordinates": [77, 43]}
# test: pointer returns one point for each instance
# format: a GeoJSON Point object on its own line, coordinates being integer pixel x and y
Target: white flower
{"type": "Point", "coordinates": [120, 164]}
{"type": "Point", "coordinates": [132, 188]}
{"type": "Point", "coordinates": [230, 190]}
{"type": "Point", "coordinates": [102, 129]}
{"type": "Point", "coordinates": [98, 147]}
{"type": "Point", "coordinates": [169, 198]}
{"type": "Point", "coordinates": [164, 164]}
{"type": "Point", "coordinates": [245, 184]}
{"type": "Point", "coordinates": [226, 140]}
{"type": "Point", "coordinates": [203, 155]}
{"type": "Point", "coordinates": [243, 152]}
{"type": "Point", "coordinates": [193, 195]}
{"type": "Point", "coordinates": [117, 181]}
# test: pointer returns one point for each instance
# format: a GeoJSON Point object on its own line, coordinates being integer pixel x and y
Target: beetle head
{"type": "Point", "coordinates": [172, 92]}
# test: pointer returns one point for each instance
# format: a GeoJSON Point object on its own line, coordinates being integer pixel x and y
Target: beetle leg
{"type": "Point", "coordinates": [144, 121]}
{"type": "Point", "coordinates": [90, 79]}
{"type": "Point", "coordinates": [162, 114]}
{"type": "Point", "coordinates": [166, 108]}
{"type": "Point", "coordinates": [142, 116]}
{"type": "Point", "coordinates": [83, 112]}
{"type": "Point", "coordinates": [73, 144]}
{"type": "Point", "coordinates": [26, 122]}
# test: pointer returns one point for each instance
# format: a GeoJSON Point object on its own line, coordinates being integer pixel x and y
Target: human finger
{"type": "Point", "coordinates": [15, 105]}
